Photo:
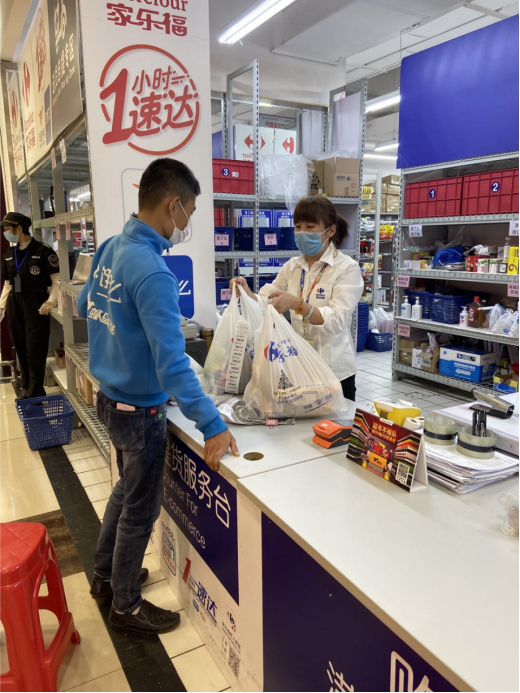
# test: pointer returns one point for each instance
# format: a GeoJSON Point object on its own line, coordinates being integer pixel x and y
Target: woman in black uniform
{"type": "Point", "coordinates": [31, 273]}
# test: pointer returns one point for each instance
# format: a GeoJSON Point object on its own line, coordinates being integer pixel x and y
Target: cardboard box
{"type": "Point", "coordinates": [84, 387]}
{"type": "Point", "coordinates": [474, 365]}
{"type": "Point", "coordinates": [389, 203]}
{"type": "Point", "coordinates": [317, 181]}
{"type": "Point", "coordinates": [512, 263]}
{"type": "Point", "coordinates": [426, 358]}
{"type": "Point", "coordinates": [406, 349]}
{"type": "Point", "coordinates": [59, 357]}
{"type": "Point", "coordinates": [368, 207]}
{"type": "Point", "coordinates": [341, 177]}
{"type": "Point", "coordinates": [391, 180]}
{"type": "Point", "coordinates": [388, 189]}
{"type": "Point", "coordinates": [368, 191]}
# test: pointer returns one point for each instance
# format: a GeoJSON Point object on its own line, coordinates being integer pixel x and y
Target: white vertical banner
{"type": "Point", "coordinates": [148, 95]}
{"type": "Point", "coordinates": [15, 119]}
{"type": "Point", "coordinates": [347, 126]}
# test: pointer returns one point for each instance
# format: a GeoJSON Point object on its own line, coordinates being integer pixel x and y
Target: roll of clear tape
{"type": "Point", "coordinates": [478, 447]}
{"type": "Point", "coordinates": [440, 430]}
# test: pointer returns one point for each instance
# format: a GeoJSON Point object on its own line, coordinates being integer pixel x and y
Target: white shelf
{"type": "Point", "coordinates": [230, 197]}
{"type": "Point", "coordinates": [458, 163]}
{"type": "Point", "coordinates": [434, 326]}
{"type": "Point", "coordinates": [461, 276]}
{"type": "Point", "coordinates": [278, 253]}
{"type": "Point", "coordinates": [381, 214]}
{"type": "Point", "coordinates": [73, 290]}
{"type": "Point", "coordinates": [235, 255]}
{"type": "Point", "coordinates": [469, 219]}
{"type": "Point", "coordinates": [75, 217]}
{"type": "Point", "coordinates": [60, 374]}
{"type": "Point", "coordinates": [442, 379]}
{"type": "Point", "coordinates": [79, 355]}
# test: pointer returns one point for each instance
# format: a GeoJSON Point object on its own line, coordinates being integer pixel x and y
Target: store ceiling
{"type": "Point", "coordinates": [366, 36]}
{"type": "Point", "coordinates": [13, 17]}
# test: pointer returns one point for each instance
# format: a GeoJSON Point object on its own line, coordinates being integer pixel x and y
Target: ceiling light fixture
{"type": "Point", "coordinates": [380, 104]}
{"type": "Point", "coordinates": [386, 147]}
{"type": "Point", "coordinates": [380, 156]}
{"type": "Point", "coordinates": [260, 14]}
{"type": "Point", "coordinates": [85, 194]}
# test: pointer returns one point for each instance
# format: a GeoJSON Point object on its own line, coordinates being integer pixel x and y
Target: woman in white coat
{"type": "Point", "coordinates": [321, 288]}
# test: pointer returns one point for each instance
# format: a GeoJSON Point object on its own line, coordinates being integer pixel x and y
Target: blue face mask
{"type": "Point", "coordinates": [309, 243]}
{"type": "Point", "coordinates": [10, 237]}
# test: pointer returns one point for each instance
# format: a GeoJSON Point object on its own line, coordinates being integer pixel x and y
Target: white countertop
{"type": "Point", "coordinates": [460, 570]}
{"type": "Point", "coordinates": [280, 446]}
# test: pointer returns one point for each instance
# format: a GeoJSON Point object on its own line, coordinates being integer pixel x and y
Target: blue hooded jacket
{"type": "Point", "coordinates": [136, 346]}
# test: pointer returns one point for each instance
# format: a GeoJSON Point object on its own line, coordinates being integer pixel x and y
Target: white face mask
{"type": "Point", "coordinates": [180, 235]}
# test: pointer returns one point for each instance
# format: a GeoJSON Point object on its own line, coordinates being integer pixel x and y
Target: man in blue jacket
{"type": "Point", "coordinates": [136, 351]}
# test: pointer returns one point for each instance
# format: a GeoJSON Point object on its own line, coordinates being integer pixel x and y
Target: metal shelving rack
{"type": "Point", "coordinates": [230, 201]}
{"type": "Point", "coordinates": [497, 224]}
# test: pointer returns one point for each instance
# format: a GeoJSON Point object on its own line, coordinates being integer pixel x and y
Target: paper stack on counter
{"type": "Point", "coordinates": [463, 474]}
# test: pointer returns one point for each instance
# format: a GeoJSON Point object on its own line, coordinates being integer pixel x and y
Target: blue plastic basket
{"type": "Point", "coordinates": [47, 421]}
{"type": "Point", "coordinates": [287, 241]}
{"type": "Point", "coordinates": [446, 309]}
{"type": "Point", "coordinates": [380, 342]}
{"type": "Point", "coordinates": [223, 291]}
{"type": "Point", "coordinates": [424, 299]}
{"type": "Point", "coordinates": [221, 231]}
{"type": "Point", "coordinates": [363, 317]}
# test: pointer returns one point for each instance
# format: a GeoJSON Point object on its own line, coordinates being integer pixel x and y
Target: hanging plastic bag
{"type": "Point", "coordinates": [289, 378]}
{"type": "Point", "coordinates": [224, 367]}
{"type": "Point", "coordinates": [201, 376]}
{"type": "Point", "coordinates": [372, 324]}
{"type": "Point", "coordinates": [503, 324]}
{"type": "Point", "coordinates": [496, 313]}
{"type": "Point", "coordinates": [513, 332]}
{"type": "Point", "coordinates": [252, 313]}
{"type": "Point", "coordinates": [384, 320]}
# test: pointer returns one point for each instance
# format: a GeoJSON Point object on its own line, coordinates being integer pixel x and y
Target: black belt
{"type": "Point", "coordinates": [475, 448]}
{"type": "Point", "coordinates": [440, 436]}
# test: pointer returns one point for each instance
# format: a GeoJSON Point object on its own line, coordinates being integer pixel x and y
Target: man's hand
{"type": "Point", "coordinates": [46, 308]}
{"type": "Point", "coordinates": [282, 301]}
{"type": "Point", "coordinates": [217, 446]}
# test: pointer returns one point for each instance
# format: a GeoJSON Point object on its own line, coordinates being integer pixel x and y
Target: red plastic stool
{"type": "Point", "coordinates": [27, 555]}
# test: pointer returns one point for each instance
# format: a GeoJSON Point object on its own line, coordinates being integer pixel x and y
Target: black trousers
{"type": "Point", "coordinates": [30, 334]}
{"type": "Point", "coordinates": [349, 388]}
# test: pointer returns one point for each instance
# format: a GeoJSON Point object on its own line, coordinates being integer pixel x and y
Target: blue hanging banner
{"type": "Point", "coordinates": [459, 100]}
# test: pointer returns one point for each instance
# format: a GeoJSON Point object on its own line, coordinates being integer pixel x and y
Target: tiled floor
{"type": "Point", "coordinates": [26, 491]}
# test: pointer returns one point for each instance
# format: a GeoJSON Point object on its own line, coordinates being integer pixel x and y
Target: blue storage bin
{"type": "Point", "coordinates": [224, 238]}
{"type": "Point", "coordinates": [446, 309]}
{"type": "Point", "coordinates": [47, 421]}
{"type": "Point", "coordinates": [363, 318]}
{"type": "Point", "coordinates": [380, 342]}
{"type": "Point", "coordinates": [269, 238]}
{"type": "Point", "coordinates": [424, 300]}
{"type": "Point", "coordinates": [287, 241]}
{"type": "Point", "coordinates": [223, 291]}
{"type": "Point", "coordinates": [244, 239]}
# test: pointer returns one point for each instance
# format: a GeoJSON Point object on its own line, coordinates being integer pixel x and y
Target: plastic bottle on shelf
{"type": "Point", "coordinates": [417, 310]}
{"type": "Point", "coordinates": [464, 316]}
{"type": "Point", "coordinates": [406, 309]}
{"type": "Point", "coordinates": [473, 314]}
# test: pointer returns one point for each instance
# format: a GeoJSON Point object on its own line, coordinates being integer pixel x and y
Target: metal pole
{"type": "Point", "coordinates": [375, 284]}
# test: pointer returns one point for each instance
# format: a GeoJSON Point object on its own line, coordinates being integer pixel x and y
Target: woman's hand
{"type": "Point", "coordinates": [282, 301]}
{"type": "Point", "coordinates": [46, 308]}
{"type": "Point", "coordinates": [238, 282]}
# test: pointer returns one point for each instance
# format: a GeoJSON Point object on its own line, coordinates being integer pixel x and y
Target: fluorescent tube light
{"type": "Point", "coordinates": [379, 104]}
{"type": "Point", "coordinates": [260, 14]}
{"type": "Point", "coordinates": [379, 156]}
{"type": "Point", "coordinates": [386, 147]}
{"type": "Point", "coordinates": [85, 194]}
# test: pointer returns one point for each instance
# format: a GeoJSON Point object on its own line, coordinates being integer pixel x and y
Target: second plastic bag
{"type": "Point", "coordinates": [252, 313]}
{"type": "Point", "coordinates": [224, 367]}
{"type": "Point", "coordinates": [290, 380]}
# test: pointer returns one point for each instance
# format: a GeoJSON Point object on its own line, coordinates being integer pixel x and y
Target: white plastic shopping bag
{"type": "Point", "coordinates": [252, 313]}
{"type": "Point", "coordinates": [289, 378]}
{"type": "Point", "coordinates": [224, 367]}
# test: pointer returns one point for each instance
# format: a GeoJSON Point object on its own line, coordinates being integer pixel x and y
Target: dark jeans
{"type": "Point", "coordinates": [140, 440]}
{"type": "Point", "coordinates": [349, 388]}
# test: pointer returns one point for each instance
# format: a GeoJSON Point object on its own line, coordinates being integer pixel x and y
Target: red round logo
{"type": "Point", "coordinates": [154, 109]}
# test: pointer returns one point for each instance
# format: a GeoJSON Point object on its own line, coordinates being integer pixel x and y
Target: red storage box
{"type": "Point", "coordinates": [235, 177]}
{"type": "Point", "coordinates": [493, 192]}
{"type": "Point", "coordinates": [218, 216]}
{"type": "Point", "coordinates": [434, 198]}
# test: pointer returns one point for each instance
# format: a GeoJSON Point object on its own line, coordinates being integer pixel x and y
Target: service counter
{"type": "Point", "coordinates": [302, 571]}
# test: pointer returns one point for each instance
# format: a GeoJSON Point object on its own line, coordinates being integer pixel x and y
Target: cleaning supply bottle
{"type": "Point", "coordinates": [473, 315]}
{"type": "Point", "coordinates": [417, 310]}
{"type": "Point", "coordinates": [406, 309]}
{"type": "Point", "coordinates": [464, 316]}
